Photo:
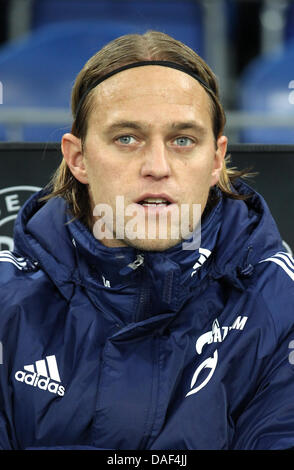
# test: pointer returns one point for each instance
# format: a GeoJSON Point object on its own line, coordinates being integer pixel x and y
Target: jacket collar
{"type": "Point", "coordinates": [119, 265]}
{"type": "Point", "coordinates": [70, 254]}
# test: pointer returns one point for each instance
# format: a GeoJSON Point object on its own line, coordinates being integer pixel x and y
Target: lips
{"type": "Point", "coordinates": [154, 200]}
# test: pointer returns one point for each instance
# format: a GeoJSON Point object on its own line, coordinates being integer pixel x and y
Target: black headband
{"type": "Point", "coordinates": [164, 63]}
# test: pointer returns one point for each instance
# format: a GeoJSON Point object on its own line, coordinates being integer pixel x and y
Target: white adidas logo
{"type": "Point", "coordinates": [44, 375]}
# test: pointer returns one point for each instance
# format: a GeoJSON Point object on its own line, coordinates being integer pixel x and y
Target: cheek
{"type": "Point", "coordinates": [197, 183]}
{"type": "Point", "coordinates": [199, 174]}
{"type": "Point", "coordinates": [105, 179]}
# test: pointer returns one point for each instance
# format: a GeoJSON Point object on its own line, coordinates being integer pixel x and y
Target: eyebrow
{"type": "Point", "coordinates": [175, 126]}
{"type": "Point", "coordinates": [122, 125]}
{"type": "Point", "coordinates": [180, 126]}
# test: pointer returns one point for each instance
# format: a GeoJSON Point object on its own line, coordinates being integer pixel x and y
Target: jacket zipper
{"type": "Point", "coordinates": [143, 300]}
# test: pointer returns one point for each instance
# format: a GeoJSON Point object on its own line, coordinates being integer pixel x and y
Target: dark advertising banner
{"type": "Point", "coordinates": [27, 167]}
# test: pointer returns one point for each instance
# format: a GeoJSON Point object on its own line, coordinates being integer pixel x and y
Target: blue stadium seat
{"type": "Point", "coordinates": [182, 19]}
{"type": "Point", "coordinates": [39, 70]}
{"type": "Point", "coordinates": [267, 86]}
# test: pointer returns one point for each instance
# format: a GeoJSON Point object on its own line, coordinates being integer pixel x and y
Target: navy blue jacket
{"type": "Point", "coordinates": [183, 349]}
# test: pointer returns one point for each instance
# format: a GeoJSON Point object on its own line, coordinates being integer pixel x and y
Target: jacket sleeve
{"type": "Point", "coordinates": [267, 422]}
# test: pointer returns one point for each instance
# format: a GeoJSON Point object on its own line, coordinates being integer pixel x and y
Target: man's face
{"type": "Point", "coordinates": [150, 141]}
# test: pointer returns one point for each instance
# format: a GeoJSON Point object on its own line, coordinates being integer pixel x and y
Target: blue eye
{"type": "Point", "coordinates": [126, 139]}
{"type": "Point", "coordinates": [183, 141]}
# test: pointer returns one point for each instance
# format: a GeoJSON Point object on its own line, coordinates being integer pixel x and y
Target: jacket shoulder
{"type": "Point", "coordinates": [284, 261]}
{"type": "Point", "coordinates": [266, 422]}
{"type": "Point", "coordinates": [19, 279]}
{"type": "Point", "coordinates": [13, 266]}
{"type": "Point", "coordinates": [275, 288]}
{"type": "Point", "coordinates": [276, 271]}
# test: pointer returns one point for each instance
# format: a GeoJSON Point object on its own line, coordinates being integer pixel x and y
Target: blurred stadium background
{"type": "Point", "coordinates": [249, 45]}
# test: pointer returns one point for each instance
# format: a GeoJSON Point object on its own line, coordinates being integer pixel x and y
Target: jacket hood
{"type": "Point", "coordinates": [235, 236]}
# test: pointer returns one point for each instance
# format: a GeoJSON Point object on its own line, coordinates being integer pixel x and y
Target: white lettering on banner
{"type": "Point", "coordinates": [1, 93]}
{"type": "Point", "coordinates": [8, 198]}
{"type": "Point", "coordinates": [216, 335]}
{"type": "Point", "coordinates": [12, 203]}
{"type": "Point", "coordinates": [6, 243]}
{"type": "Point", "coordinates": [11, 200]}
{"type": "Point", "coordinates": [1, 353]}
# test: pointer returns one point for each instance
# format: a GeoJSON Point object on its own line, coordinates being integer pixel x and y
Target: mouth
{"type": "Point", "coordinates": [155, 201]}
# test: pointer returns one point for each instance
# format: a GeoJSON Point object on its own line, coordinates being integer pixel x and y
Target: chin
{"type": "Point", "coordinates": [152, 245]}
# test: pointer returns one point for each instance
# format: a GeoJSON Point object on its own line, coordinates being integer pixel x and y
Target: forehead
{"type": "Point", "coordinates": [153, 90]}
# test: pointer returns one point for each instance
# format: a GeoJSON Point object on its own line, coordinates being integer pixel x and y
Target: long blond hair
{"type": "Point", "coordinates": [152, 45]}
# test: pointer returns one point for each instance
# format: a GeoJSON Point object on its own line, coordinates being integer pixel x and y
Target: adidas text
{"type": "Point", "coordinates": [44, 383]}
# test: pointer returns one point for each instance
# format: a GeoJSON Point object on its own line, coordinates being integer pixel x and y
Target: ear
{"type": "Point", "coordinates": [71, 147]}
{"type": "Point", "coordinates": [222, 143]}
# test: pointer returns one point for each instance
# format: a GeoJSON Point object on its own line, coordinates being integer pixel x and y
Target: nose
{"type": "Point", "coordinates": [155, 161]}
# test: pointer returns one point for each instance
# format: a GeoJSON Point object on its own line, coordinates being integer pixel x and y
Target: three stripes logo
{"type": "Point", "coordinates": [9, 257]}
{"type": "Point", "coordinates": [44, 375]}
{"type": "Point", "coordinates": [284, 260]}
